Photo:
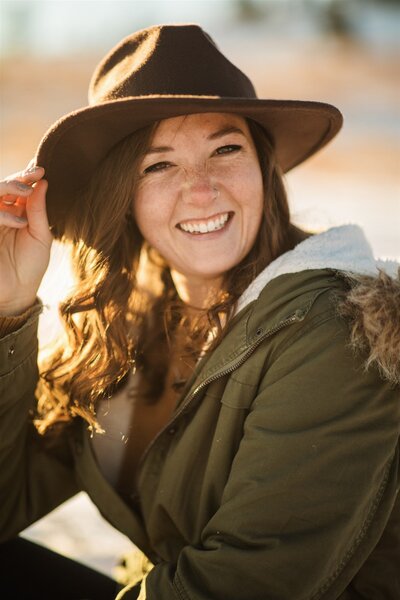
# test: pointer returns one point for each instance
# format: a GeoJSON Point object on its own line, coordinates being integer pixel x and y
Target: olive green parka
{"type": "Point", "coordinates": [277, 476]}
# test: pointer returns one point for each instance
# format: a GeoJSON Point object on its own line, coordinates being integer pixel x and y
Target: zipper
{"type": "Point", "coordinates": [242, 359]}
{"type": "Point", "coordinates": [295, 317]}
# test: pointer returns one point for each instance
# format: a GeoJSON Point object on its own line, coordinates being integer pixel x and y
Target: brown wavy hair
{"type": "Point", "coordinates": [124, 304]}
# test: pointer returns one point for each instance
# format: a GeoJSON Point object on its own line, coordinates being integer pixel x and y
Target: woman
{"type": "Point", "coordinates": [240, 378]}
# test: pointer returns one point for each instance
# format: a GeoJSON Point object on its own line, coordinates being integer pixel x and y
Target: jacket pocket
{"type": "Point", "coordinates": [238, 394]}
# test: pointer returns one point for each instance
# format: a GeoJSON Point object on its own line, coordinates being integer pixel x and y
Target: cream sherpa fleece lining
{"type": "Point", "coordinates": [343, 248]}
{"type": "Point", "coordinates": [372, 303]}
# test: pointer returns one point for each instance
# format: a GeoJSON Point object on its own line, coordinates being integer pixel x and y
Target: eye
{"type": "Point", "coordinates": [160, 166]}
{"type": "Point", "coordinates": [228, 149]}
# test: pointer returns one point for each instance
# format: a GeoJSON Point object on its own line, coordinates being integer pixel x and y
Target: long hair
{"type": "Point", "coordinates": [124, 304]}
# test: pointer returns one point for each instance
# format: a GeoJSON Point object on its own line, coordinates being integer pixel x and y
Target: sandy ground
{"type": "Point", "coordinates": [356, 179]}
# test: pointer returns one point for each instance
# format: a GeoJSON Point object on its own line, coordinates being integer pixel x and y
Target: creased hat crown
{"type": "Point", "coordinates": [168, 60]}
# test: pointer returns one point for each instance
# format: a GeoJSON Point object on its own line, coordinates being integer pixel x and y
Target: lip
{"type": "Point", "coordinates": [198, 220]}
{"type": "Point", "coordinates": [210, 234]}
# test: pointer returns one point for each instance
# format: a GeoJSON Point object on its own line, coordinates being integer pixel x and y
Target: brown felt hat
{"type": "Point", "coordinates": [161, 72]}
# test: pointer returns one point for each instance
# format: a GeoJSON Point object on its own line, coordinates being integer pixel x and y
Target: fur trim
{"type": "Point", "coordinates": [373, 307]}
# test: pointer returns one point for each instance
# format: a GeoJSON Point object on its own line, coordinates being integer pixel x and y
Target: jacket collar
{"type": "Point", "coordinates": [289, 285]}
{"type": "Point", "coordinates": [343, 248]}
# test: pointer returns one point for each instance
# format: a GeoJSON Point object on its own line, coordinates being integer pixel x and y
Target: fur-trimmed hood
{"type": "Point", "coordinates": [373, 307]}
{"type": "Point", "coordinates": [372, 304]}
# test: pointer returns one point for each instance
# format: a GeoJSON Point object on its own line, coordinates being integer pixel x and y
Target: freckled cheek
{"type": "Point", "coordinates": [247, 191]}
{"type": "Point", "coordinates": [152, 211]}
{"type": "Point", "coordinates": [223, 172]}
{"type": "Point", "coordinates": [240, 173]}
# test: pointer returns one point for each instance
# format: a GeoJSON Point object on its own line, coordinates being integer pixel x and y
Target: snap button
{"type": "Point", "coordinates": [11, 351]}
{"type": "Point", "coordinates": [300, 314]}
{"type": "Point", "coordinates": [259, 331]}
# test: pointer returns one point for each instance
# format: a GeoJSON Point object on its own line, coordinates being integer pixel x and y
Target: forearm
{"type": "Point", "coordinates": [32, 482]}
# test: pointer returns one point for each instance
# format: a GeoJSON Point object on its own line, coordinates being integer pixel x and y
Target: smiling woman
{"type": "Point", "coordinates": [228, 394]}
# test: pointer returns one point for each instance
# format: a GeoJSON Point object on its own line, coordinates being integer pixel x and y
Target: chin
{"type": "Point", "coordinates": [210, 275]}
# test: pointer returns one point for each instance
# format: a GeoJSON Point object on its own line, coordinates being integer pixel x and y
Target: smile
{"type": "Point", "coordinates": [206, 226]}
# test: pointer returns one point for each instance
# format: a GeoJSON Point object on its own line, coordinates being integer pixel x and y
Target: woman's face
{"type": "Point", "coordinates": [200, 194]}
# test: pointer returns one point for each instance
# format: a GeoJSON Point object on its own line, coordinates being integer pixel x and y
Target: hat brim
{"type": "Point", "coordinates": [73, 147]}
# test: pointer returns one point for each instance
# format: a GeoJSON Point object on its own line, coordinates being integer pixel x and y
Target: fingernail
{"type": "Point", "coordinates": [20, 219]}
{"type": "Point", "coordinates": [31, 170]}
{"type": "Point", "coordinates": [22, 186]}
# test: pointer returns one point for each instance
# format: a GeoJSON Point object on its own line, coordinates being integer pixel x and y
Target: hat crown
{"type": "Point", "coordinates": [178, 60]}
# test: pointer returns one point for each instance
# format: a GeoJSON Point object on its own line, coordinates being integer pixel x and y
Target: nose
{"type": "Point", "coordinates": [198, 188]}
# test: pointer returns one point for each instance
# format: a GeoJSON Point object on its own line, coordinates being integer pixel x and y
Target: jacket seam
{"type": "Point", "coordinates": [244, 383]}
{"type": "Point", "coordinates": [180, 588]}
{"type": "Point", "coordinates": [315, 322]}
{"type": "Point", "coordinates": [358, 539]}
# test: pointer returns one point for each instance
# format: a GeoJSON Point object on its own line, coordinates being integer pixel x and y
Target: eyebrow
{"type": "Point", "coordinates": [224, 131]}
{"type": "Point", "coordinates": [158, 149]}
{"type": "Point", "coordinates": [213, 136]}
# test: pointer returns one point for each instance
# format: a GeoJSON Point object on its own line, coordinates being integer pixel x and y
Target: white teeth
{"type": "Point", "coordinates": [206, 226]}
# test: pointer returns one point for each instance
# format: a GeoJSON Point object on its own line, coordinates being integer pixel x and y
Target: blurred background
{"type": "Point", "coordinates": [346, 52]}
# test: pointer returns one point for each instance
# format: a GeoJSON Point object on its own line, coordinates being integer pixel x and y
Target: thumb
{"type": "Point", "coordinates": [36, 214]}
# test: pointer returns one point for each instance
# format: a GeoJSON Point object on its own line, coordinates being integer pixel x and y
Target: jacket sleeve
{"type": "Point", "coordinates": [308, 485]}
{"type": "Point", "coordinates": [32, 481]}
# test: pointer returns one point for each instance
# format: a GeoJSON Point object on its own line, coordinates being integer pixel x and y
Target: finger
{"type": "Point", "coordinates": [36, 213]}
{"type": "Point", "coordinates": [8, 219]}
{"type": "Point", "coordinates": [31, 175]}
{"type": "Point", "coordinates": [13, 207]}
{"type": "Point", "coordinates": [31, 163]}
{"type": "Point", "coordinates": [12, 187]}
{"type": "Point", "coordinates": [31, 167]}
{"type": "Point", "coordinates": [8, 200]}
